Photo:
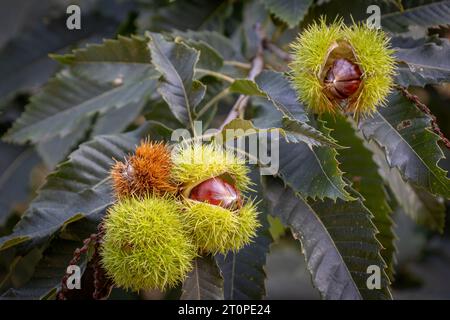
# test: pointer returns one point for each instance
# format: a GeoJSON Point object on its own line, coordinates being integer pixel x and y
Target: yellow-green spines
{"type": "Point", "coordinates": [376, 59]}
{"type": "Point", "coordinates": [320, 44]}
{"type": "Point", "coordinates": [195, 162]}
{"type": "Point", "coordinates": [310, 52]}
{"type": "Point", "coordinates": [215, 229]}
{"type": "Point", "coordinates": [146, 245]}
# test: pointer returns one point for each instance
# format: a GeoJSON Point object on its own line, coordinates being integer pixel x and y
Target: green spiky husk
{"type": "Point", "coordinates": [145, 244]}
{"type": "Point", "coordinates": [195, 162]}
{"type": "Point", "coordinates": [218, 230]}
{"type": "Point", "coordinates": [370, 50]}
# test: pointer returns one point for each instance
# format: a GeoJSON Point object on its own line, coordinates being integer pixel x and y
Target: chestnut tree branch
{"type": "Point", "coordinates": [257, 65]}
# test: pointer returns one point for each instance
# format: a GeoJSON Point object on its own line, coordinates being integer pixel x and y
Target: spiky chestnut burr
{"type": "Point", "coordinates": [323, 53]}
{"type": "Point", "coordinates": [146, 172]}
{"type": "Point", "coordinates": [194, 163]}
{"type": "Point", "coordinates": [146, 246]}
{"type": "Point", "coordinates": [212, 180]}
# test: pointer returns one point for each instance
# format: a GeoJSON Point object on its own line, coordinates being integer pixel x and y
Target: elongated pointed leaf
{"type": "Point", "coordinates": [360, 168]}
{"type": "Point", "coordinates": [223, 45]}
{"type": "Point", "coordinates": [176, 62]}
{"type": "Point", "coordinates": [273, 88]}
{"type": "Point", "coordinates": [16, 164]}
{"type": "Point", "coordinates": [126, 51]}
{"type": "Point", "coordinates": [204, 282]}
{"type": "Point", "coordinates": [338, 239]}
{"type": "Point", "coordinates": [281, 94]}
{"type": "Point", "coordinates": [79, 188]}
{"type": "Point", "coordinates": [290, 11]}
{"type": "Point", "coordinates": [427, 63]}
{"type": "Point", "coordinates": [425, 16]}
{"type": "Point", "coordinates": [210, 58]}
{"type": "Point", "coordinates": [103, 78]}
{"type": "Point", "coordinates": [404, 133]}
{"type": "Point", "coordinates": [108, 64]}
{"type": "Point", "coordinates": [312, 171]}
{"type": "Point", "coordinates": [247, 87]}
{"type": "Point", "coordinates": [70, 99]}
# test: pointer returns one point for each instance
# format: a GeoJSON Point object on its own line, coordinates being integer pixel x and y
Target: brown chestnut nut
{"type": "Point", "coordinates": [342, 79]}
{"type": "Point", "coordinates": [217, 192]}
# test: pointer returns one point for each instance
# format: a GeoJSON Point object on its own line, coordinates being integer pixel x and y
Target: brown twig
{"type": "Point", "coordinates": [415, 99]}
{"type": "Point", "coordinates": [257, 65]}
{"type": "Point", "coordinates": [75, 260]}
{"type": "Point", "coordinates": [102, 284]}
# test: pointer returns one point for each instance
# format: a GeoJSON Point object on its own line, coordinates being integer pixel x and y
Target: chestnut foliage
{"type": "Point", "coordinates": [168, 64]}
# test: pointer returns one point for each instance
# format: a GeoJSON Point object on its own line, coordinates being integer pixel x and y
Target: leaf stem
{"type": "Point", "coordinates": [213, 101]}
{"type": "Point", "coordinates": [237, 64]}
{"type": "Point", "coordinates": [215, 74]}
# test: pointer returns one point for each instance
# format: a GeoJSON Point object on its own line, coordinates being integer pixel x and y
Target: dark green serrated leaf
{"type": "Point", "coordinates": [209, 58]}
{"type": "Point", "coordinates": [294, 119]}
{"type": "Point", "coordinates": [243, 271]}
{"type": "Point", "coordinates": [16, 164]}
{"type": "Point", "coordinates": [426, 63]}
{"type": "Point", "coordinates": [247, 87]}
{"type": "Point", "coordinates": [404, 133]}
{"type": "Point", "coordinates": [204, 282]}
{"type": "Point", "coordinates": [121, 50]}
{"type": "Point", "coordinates": [312, 171]}
{"type": "Point", "coordinates": [176, 62]}
{"type": "Point", "coordinates": [79, 188]}
{"type": "Point", "coordinates": [338, 240]}
{"type": "Point", "coordinates": [425, 16]}
{"type": "Point", "coordinates": [272, 87]}
{"type": "Point", "coordinates": [240, 128]}
{"type": "Point", "coordinates": [290, 11]}
{"type": "Point", "coordinates": [360, 168]}
{"type": "Point", "coordinates": [280, 92]}
{"type": "Point", "coordinates": [224, 46]}
{"type": "Point", "coordinates": [103, 77]}
{"type": "Point", "coordinates": [69, 99]}
{"type": "Point", "coordinates": [110, 63]}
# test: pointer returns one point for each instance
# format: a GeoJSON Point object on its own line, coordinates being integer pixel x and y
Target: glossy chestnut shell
{"type": "Point", "coordinates": [342, 79]}
{"type": "Point", "coordinates": [217, 191]}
